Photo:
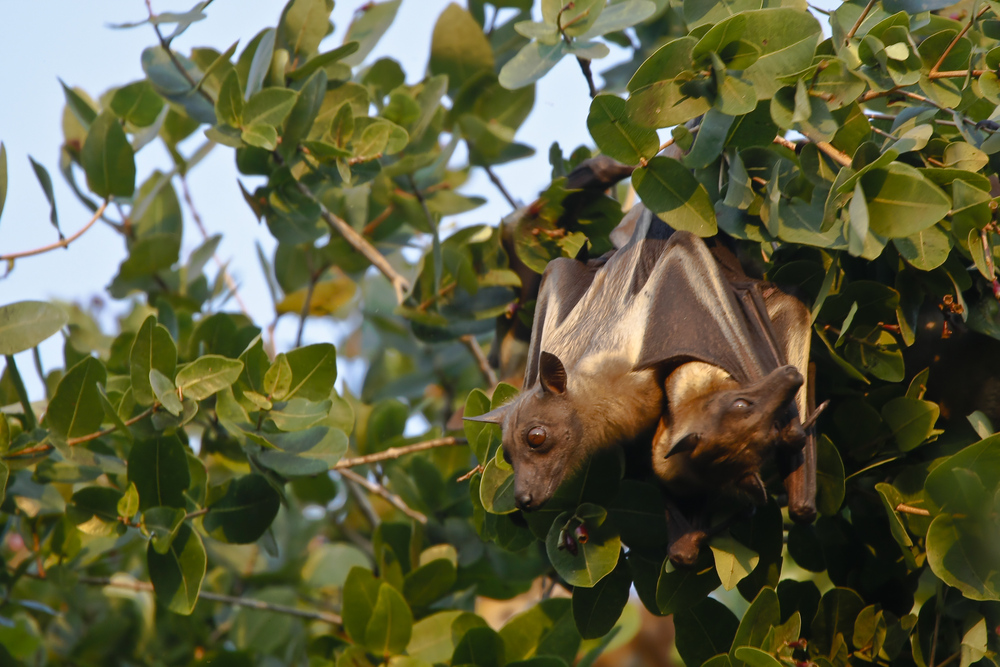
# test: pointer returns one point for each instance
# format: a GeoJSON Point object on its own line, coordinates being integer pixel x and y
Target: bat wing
{"type": "Point", "coordinates": [563, 286]}
{"type": "Point", "coordinates": [694, 311]}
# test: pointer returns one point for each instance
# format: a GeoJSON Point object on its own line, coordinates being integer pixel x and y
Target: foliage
{"type": "Point", "coordinates": [185, 497]}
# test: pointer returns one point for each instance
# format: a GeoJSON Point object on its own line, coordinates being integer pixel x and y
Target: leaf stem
{"type": "Point", "coordinates": [62, 243]}
{"type": "Point", "coordinates": [30, 422]}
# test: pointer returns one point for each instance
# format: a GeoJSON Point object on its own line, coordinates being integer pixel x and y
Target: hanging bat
{"type": "Point", "coordinates": [661, 336]}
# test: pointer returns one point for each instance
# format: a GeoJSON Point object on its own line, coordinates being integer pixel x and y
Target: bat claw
{"type": "Point", "coordinates": [815, 415]}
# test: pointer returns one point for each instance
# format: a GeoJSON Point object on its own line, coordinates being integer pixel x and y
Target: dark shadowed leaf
{"type": "Point", "coordinates": [245, 512]}
{"type": "Point", "coordinates": [153, 348]}
{"type": "Point", "coordinates": [704, 630]}
{"type": "Point", "coordinates": [667, 188]}
{"type": "Point", "coordinates": [597, 609]}
{"type": "Point", "coordinates": [616, 135]}
{"type": "Point", "coordinates": [177, 575]}
{"type": "Point", "coordinates": [76, 408]}
{"type": "Point", "coordinates": [107, 158]}
{"type": "Point", "coordinates": [159, 470]}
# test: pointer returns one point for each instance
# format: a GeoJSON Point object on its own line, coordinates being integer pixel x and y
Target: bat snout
{"type": "Point", "coordinates": [523, 501]}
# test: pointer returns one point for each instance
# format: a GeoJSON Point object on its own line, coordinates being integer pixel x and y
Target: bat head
{"type": "Point", "coordinates": [724, 435]}
{"type": "Point", "coordinates": [541, 434]}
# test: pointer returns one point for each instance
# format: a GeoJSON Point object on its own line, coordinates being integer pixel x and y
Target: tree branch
{"type": "Point", "coordinates": [396, 452]}
{"type": "Point", "coordinates": [959, 36]}
{"type": "Point", "coordinates": [62, 243]}
{"type": "Point", "coordinates": [500, 186]}
{"type": "Point", "coordinates": [400, 284]}
{"type": "Point", "coordinates": [861, 19]}
{"type": "Point", "coordinates": [173, 58]}
{"type": "Point", "coordinates": [484, 365]}
{"type": "Point", "coordinates": [144, 587]}
{"type": "Point", "coordinates": [226, 277]}
{"type": "Point", "coordinates": [841, 158]}
{"type": "Point", "coordinates": [45, 448]}
{"type": "Point", "coordinates": [585, 68]}
{"type": "Point", "coordinates": [909, 509]}
{"type": "Point", "coordinates": [385, 493]}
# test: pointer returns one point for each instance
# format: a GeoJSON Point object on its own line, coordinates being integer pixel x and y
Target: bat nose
{"type": "Point", "coordinates": [523, 501]}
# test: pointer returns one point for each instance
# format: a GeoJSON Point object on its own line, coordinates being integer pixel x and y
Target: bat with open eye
{"type": "Point", "coordinates": [668, 340]}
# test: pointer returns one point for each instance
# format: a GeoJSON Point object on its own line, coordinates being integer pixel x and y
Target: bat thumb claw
{"type": "Point", "coordinates": [815, 415]}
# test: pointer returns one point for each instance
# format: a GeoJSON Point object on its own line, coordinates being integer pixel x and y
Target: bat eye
{"type": "Point", "coordinates": [740, 404]}
{"type": "Point", "coordinates": [536, 436]}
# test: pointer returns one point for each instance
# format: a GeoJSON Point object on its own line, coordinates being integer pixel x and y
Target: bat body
{"type": "Point", "coordinates": [662, 335]}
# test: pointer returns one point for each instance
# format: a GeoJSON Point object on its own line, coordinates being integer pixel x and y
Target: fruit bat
{"type": "Point", "coordinates": [663, 339]}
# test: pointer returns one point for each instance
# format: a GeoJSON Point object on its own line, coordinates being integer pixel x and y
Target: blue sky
{"type": "Point", "coordinates": [47, 40]}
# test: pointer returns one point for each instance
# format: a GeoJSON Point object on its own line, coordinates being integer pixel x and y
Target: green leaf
{"type": "Point", "coordinates": [530, 64]}
{"type": "Point", "coordinates": [926, 250]}
{"type": "Point", "coordinates": [128, 506]}
{"type": "Point", "coordinates": [229, 104]}
{"type": "Point", "coordinates": [482, 647]}
{"type": "Point", "coordinates": [962, 553]}
{"type": "Point", "coordinates": [75, 408]}
{"type": "Point", "coordinates": [391, 624]}
{"type": "Point", "coordinates": [435, 636]}
{"type": "Point", "coordinates": [618, 16]}
{"type": "Point", "coordinates": [42, 174]}
{"type": "Point", "coordinates": [260, 63]}
{"type": "Point", "coordinates": [361, 591]}
{"type": "Point", "coordinates": [901, 202]}
{"type": "Point", "coordinates": [165, 392]}
{"type": "Point", "coordinates": [107, 158]}
{"type": "Point", "coordinates": [496, 490]}
{"type": "Point", "coordinates": [755, 657]}
{"type": "Point", "coordinates": [829, 477]}
{"type": "Point", "coordinates": [162, 523]}
{"type": "Point", "coordinates": [177, 575]}
{"type": "Point", "coordinates": [303, 25]}
{"type": "Point", "coordinates": [429, 582]}
{"type": "Point", "coordinates": [911, 420]}
{"type": "Point", "coordinates": [787, 39]}
{"type": "Point", "coordinates": [704, 630]}
{"type": "Point", "coordinates": [137, 103]}
{"type": "Point", "coordinates": [667, 188]}
{"type": "Point", "coordinates": [80, 107]}
{"type": "Point", "coordinates": [314, 370]}
{"type": "Point", "coordinates": [757, 622]}
{"type": "Point", "coordinates": [733, 560]}
{"type": "Point", "coordinates": [206, 375]}
{"type": "Point", "coordinates": [245, 512]}
{"type": "Point", "coordinates": [159, 470]}
{"type": "Point", "coordinates": [278, 378]}
{"type": "Point", "coordinates": [594, 559]}
{"type": "Point", "coordinates": [261, 136]}
{"type": "Point", "coordinates": [25, 324]}
{"type": "Point", "coordinates": [836, 615]}
{"type": "Point", "coordinates": [153, 348]}
{"type": "Point", "coordinates": [616, 135]}
{"type": "Point", "coordinates": [545, 629]}
{"type": "Point", "coordinates": [269, 107]}
{"type": "Point", "coordinates": [369, 24]}
{"type": "Point", "coordinates": [459, 49]}
{"type": "Point", "coordinates": [307, 452]}
{"type": "Point", "coordinates": [597, 609]}
{"type": "Point", "coordinates": [678, 589]}
{"type": "Point", "coordinates": [94, 510]}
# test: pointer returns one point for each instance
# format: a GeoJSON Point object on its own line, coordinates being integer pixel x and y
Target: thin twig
{"type": "Point", "coordinates": [41, 449]}
{"type": "Point", "coordinates": [62, 243]}
{"type": "Point", "coordinates": [396, 452]}
{"type": "Point", "coordinates": [484, 365]}
{"type": "Point", "coordinates": [385, 493]}
{"type": "Point", "coordinates": [959, 36]}
{"type": "Point", "coordinates": [957, 73]}
{"type": "Point", "coordinates": [226, 277]}
{"type": "Point", "coordinates": [370, 228]}
{"type": "Point", "coordinates": [585, 68]}
{"type": "Point", "coordinates": [144, 587]}
{"type": "Point", "coordinates": [400, 284]}
{"type": "Point", "coordinates": [30, 421]}
{"type": "Point", "coordinates": [165, 44]}
{"type": "Point", "coordinates": [781, 141]}
{"type": "Point", "coordinates": [305, 310]}
{"type": "Point", "coordinates": [469, 474]}
{"type": "Point", "coordinates": [861, 19]}
{"type": "Point", "coordinates": [939, 604]}
{"type": "Point", "coordinates": [670, 142]}
{"type": "Point", "coordinates": [500, 186]}
{"type": "Point", "coordinates": [909, 509]}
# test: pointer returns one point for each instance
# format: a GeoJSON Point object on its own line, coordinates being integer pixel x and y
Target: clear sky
{"type": "Point", "coordinates": [46, 40]}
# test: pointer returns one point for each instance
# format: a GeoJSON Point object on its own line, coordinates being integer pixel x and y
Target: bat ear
{"type": "Point", "coordinates": [494, 416]}
{"type": "Point", "coordinates": [684, 445]}
{"type": "Point", "coordinates": [552, 373]}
